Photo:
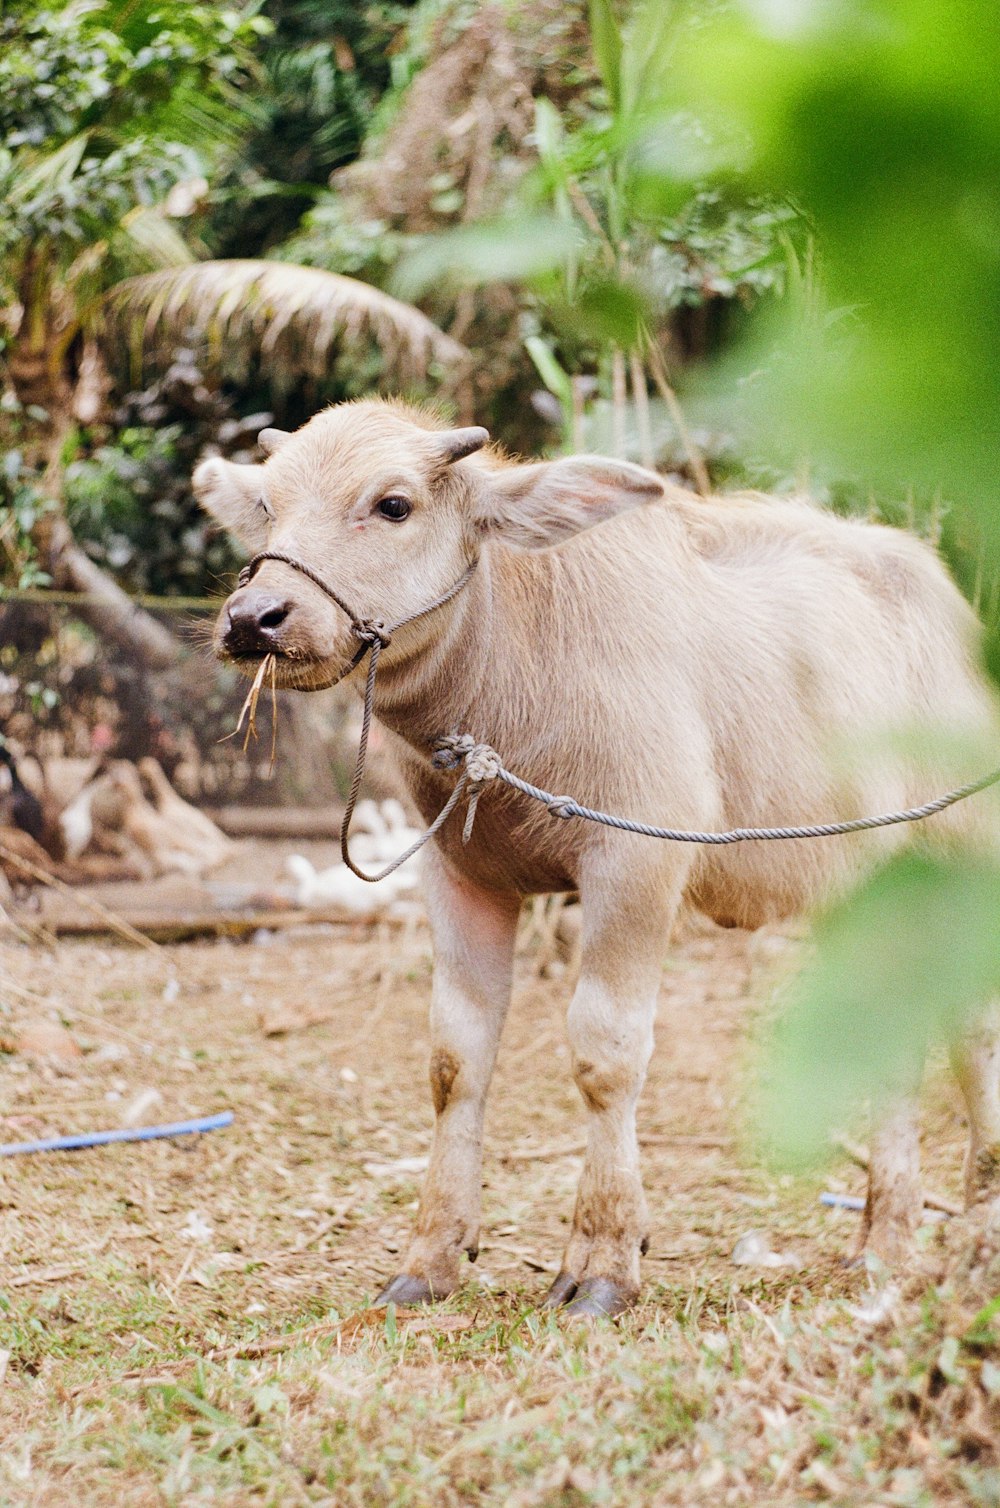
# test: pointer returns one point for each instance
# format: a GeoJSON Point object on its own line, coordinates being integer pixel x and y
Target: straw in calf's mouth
{"type": "Point", "coordinates": [249, 709]}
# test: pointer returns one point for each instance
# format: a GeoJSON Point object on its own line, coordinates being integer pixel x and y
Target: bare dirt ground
{"type": "Point", "coordinates": [185, 1321]}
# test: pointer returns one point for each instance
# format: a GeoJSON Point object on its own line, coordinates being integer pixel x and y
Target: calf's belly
{"type": "Point", "coordinates": [754, 883]}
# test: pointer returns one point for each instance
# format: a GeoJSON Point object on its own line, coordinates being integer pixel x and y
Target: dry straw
{"type": "Point", "coordinates": [249, 709]}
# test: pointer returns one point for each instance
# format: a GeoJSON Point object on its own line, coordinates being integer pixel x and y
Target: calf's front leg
{"type": "Point", "coordinates": [626, 927]}
{"type": "Point", "coordinates": [474, 931]}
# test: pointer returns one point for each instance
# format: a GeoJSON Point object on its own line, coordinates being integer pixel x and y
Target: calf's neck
{"type": "Point", "coordinates": [707, 663]}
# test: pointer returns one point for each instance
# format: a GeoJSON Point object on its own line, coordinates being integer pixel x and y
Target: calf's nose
{"type": "Point", "coordinates": [253, 622]}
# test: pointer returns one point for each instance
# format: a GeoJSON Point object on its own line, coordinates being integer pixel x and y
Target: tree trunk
{"type": "Point", "coordinates": [35, 362]}
{"type": "Point", "coordinates": [108, 610]}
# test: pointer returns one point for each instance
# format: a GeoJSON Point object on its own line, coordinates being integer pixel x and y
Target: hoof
{"type": "Point", "coordinates": [561, 1292]}
{"type": "Point", "coordinates": [601, 1297]}
{"type": "Point", "coordinates": [405, 1291]}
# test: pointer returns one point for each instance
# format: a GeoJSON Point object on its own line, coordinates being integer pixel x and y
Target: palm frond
{"type": "Point", "coordinates": [42, 172]}
{"type": "Point", "coordinates": [156, 238]}
{"type": "Point", "coordinates": [292, 320]}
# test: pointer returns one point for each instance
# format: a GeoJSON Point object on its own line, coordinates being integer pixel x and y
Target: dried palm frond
{"type": "Point", "coordinates": [291, 320]}
{"type": "Point", "coordinates": [156, 237]}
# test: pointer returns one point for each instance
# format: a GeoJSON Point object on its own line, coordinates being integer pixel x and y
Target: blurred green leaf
{"type": "Point", "coordinates": [647, 57]}
{"type": "Point", "coordinates": [981, 1333]}
{"type": "Point", "coordinates": [611, 312]}
{"type": "Point", "coordinates": [883, 120]}
{"type": "Point", "coordinates": [552, 374]}
{"type": "Point", "coordinates": [497, 251]}
{"type": "Point", "coordinates": [904, 961]}
{"type": "Point", "coordinates": [606, 39]}
{"type": "Point", "coordinates": [550, 135]}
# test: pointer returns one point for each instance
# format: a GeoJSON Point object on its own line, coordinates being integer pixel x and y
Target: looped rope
{"type": "Point", "coordinates": [482, 764]}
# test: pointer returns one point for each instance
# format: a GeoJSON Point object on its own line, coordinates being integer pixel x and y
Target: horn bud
{"type": "Point", "coordinates": [456, 443]}
{"type": "Point", "coordinates": [271, 440]}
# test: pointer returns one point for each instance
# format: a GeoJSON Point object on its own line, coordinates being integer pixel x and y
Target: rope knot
{"type": "Point", "coordinates": [562, 806]}
{"type": "Point", "coordinates": [372, 631]}
{"type": "Point", "coordinates": [451, 749]}
{"type": "Point", "coordinates": [482, 764]}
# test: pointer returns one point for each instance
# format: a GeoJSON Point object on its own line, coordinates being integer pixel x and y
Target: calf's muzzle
{"type": "Point", "coordinates": [252, 622]}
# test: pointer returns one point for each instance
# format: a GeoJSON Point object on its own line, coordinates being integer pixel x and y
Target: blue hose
{"type": "Point", "coordinates": [102, 1138]}
{"type": "Point", "coordinates": [842, 1201]}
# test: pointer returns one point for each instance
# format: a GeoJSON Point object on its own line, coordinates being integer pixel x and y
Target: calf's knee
{"type": "Point", "coordinates": [611, 1046]}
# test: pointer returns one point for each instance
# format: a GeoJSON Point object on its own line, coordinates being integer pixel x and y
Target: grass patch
{"type": "Point", "coordinates": [186, 1324]}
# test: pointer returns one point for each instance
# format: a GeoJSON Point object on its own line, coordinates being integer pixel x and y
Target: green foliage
{"type": "Point", "coordinates": [102, 107]}
{"type": "Point", "coordinates": [72, 197]}
{"type": "Point", "coordinates": [117, 65]}
{"type": "Point", "coordinates": [606, 40]}
{"type": "Point", "coordinates": [22, 503]}
{"type": "Point", "coordinates": [515, 248]}
{"type": "Point", "coordinates": [890, 977]}
{"type": "Point", "coordinates": [335, 238]}
{"type": "Point", "coordinates": [720, 245]}
{"type": "Point", "coordinates": [128, 505]}
{"type": "Point", "coordinates": [52, 72]}
{"type": "Point", "coordinates": [882, 120]}
{"type": "Point", "coordinates": [320, 76]}
{"type": "Point", "coordinates": [608, 262]}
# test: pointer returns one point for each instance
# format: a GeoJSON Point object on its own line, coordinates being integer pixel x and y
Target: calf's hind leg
{"type": "Point", "coordinates": [474, 931]}
{"type": "Point", "coordinates": [975, 1058]}
{"type": "Point", "coordinates": [894, 1205]}
{"type": "Point", "coordinates": [895, 1199]}
{"type": "Point", "coordinates": [626, 928]}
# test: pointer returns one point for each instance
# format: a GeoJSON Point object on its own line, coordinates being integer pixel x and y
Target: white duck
{"type": "Point", "coordinates": [384, 834]}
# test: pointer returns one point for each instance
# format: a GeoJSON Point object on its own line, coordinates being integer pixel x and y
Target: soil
{"type": "Point", "coordinates": [289, 1187]}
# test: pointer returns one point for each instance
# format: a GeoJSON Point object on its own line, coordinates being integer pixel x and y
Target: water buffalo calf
{"type": "Point", "coordinates": [708, 663]}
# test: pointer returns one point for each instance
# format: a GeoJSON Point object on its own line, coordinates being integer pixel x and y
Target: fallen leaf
{"type": "Point", "coordinates": [196, 1227]}
{"type": "Point", "coordinates": [402, 1167]}
{"type": "Point", "coordinates": [754, 1250]}
{"type": "Point", "coordinates": [47, 1040]}
{"type": "Point", "coordinates": [140, 1106]}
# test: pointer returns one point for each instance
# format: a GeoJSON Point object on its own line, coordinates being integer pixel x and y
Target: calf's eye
{"type": "Point", "coordinates": [396, 508]}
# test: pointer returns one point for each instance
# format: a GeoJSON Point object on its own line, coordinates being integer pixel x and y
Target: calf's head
{"type": "Point", "coordinates": [389, 509]}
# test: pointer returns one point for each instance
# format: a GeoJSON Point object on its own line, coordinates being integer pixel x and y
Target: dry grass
{"type": "Point", "coordinates": [186, 1321]}
{"type": "Point", "coordinates": [267, 666]}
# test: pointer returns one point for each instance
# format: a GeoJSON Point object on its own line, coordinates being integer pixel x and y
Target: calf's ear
{"type": "Point", "coordinates": [271, 440]}
{"type": "Point", "coordinates": [232, 494]}
{"type": "Point", "coordinates": [535, 506]}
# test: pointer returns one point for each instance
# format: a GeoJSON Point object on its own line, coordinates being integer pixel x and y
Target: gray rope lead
{"type": "Point", "coordinates": [451, 751]}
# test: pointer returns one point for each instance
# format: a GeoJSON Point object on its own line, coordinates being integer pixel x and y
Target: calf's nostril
{"type": "Point", "coordinates": [273, 617]}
